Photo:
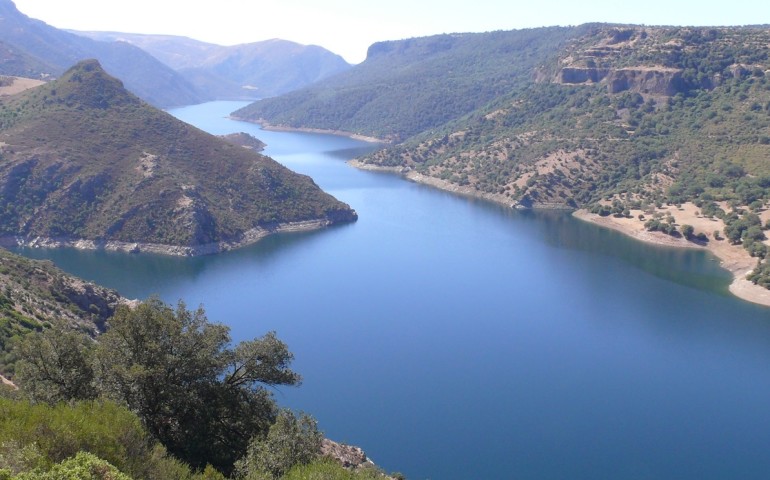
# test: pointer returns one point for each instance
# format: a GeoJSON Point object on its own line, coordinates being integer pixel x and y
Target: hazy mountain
{"type": "Point", "coordinates": [82, 158]}
{"type": "Point", "coordinates": [253, 70]}
{"type": "Point", "coordinates": [32, 48]}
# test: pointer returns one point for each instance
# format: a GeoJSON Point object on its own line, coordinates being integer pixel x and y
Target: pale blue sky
{"type": "Point", "coordinates": [348, 27]}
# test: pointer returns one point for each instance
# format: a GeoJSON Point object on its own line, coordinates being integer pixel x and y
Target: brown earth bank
{"type": "Point", "coordinates": [248, 238]}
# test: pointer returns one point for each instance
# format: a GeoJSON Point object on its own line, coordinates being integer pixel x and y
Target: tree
{"type": "Point", "coordinates": [201, 398]}
{"type": "Point", "coordinates": [56, 365]}
{"type": "Point", "coordinates": [687, 231]}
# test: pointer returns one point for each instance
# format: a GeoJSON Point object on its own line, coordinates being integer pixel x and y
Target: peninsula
{"type": "Point", "coordinates": [87, 164]}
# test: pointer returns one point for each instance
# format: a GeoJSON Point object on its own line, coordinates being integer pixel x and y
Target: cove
{"type": "Point", "coordinates": [456, 339]}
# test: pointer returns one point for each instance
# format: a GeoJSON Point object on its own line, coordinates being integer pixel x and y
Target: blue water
{"type": "Point", "coordinates": [454, 339]}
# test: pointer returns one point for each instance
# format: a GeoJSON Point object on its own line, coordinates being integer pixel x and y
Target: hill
{"type": "Point", "coordinates": [409, 86]}
{"type": "Point", "coordinates": [31, 48]}
{"type": "Point", "coordinates": [254, 70]}
{"type": "Point", "coordinates": [35, 295]}
{"type": "Point", "coordinates": [624, 119]}
{"type": "Point", "coordinates": [83, 162]}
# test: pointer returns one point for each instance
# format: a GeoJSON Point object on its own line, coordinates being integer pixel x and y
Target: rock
{"type": "Point", "coordinates": [348, 456]}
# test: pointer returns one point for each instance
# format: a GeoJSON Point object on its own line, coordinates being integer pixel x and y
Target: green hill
{"type": "Point", "coordinates": [83, 159]}
{"type": "Point", "coordinates": [409, 86]}
{"type": "Point", "coordinates": [665, 114]}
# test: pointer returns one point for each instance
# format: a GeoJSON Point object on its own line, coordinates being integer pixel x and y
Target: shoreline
{"type": "Point", "coordinates": [249, 237]}
{"type": "Point", "coordinates": [341, 133]}
{"type": "Point", "coordinates": [733, 258]}
{"type": "Point", "coordinates": [414, 176]}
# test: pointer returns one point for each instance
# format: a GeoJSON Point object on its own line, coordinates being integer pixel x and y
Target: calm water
{"type": "Point", "coordinates": [454, 339]}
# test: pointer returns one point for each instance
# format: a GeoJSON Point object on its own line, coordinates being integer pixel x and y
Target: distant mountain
{"type": "Point", "coordinates": [83, 159]}
{"type": "Point", "coordinates": [408, 86]}
{"type": "Point", "coordinates": [253, 70]}
{"type": "Point", "coordinates": [32, 48]}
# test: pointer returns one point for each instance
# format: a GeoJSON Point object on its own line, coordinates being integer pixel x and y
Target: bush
{"type": "Point", "coordinates": [328, 469]}
{"type": "Point", "coordinates": [36, 437]}
{"type": "Point", "coordinates": [83, 466]}
{"type": "Point", "coordinates": [290, 441]}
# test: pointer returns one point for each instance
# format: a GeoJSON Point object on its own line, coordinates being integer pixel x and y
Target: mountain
{"type": "Point", "coordinates": [34, 49]}
{"type": "Point", "coordinates": [253, 70]}
{"type": "Point", "coordinates": [619, 109]}
{"type": "Point", "coordinates": [83, 159]}
{"type": "Point", "coordinates": [409, 86]}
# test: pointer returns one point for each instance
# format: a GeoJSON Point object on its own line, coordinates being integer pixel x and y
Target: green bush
{"type": "Point", "coordinates": [37, 437]}
{"type": "Point", "coordinates": [290, 441]}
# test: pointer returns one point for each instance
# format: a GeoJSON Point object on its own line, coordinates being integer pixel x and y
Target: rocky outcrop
{"type": "Point", "coordinates": [647, 80]}
{"type": "Point", "coordinates": [578, 75]}
{"type": "Point", "coordinates": [347, 455]}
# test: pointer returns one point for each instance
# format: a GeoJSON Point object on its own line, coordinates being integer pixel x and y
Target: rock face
{"type": "Point", "coordinates": [654, 81]}
{"type": "Point", "coordinates": [648, 80]}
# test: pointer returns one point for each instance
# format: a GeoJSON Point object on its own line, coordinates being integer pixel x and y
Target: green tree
{"type": "Point", "coordinates": [56, 365]}
{"type": "Point", "coordinates": [203, 399]}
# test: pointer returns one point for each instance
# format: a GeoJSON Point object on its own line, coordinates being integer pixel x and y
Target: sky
{"type": "Point", "coordinates": [348, 27]}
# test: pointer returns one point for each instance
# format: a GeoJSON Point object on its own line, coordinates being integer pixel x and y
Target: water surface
{"type": "Point", "coordinates": [455, 339]}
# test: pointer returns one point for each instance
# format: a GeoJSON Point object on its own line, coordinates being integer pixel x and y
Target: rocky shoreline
{"type": "Point", "coordinates": [247, 238]}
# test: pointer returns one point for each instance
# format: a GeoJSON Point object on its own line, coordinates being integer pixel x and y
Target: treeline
{"type": "Point", "coordinates": [161, 395]}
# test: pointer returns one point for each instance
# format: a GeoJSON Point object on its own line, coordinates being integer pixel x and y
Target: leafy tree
{"type": "Point", "coordinates": [201, 398]}
{"type": "Point", "coordinates": [56, 366]}
{"type": "Point", "coordinates": [687, 231]}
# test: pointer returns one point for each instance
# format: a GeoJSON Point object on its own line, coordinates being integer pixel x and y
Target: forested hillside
{"type": "Point", "coordinates": [409, 86]}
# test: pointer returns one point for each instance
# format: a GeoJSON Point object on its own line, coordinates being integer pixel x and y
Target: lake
{"type": "Point", "coordinates": [457, 339]}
